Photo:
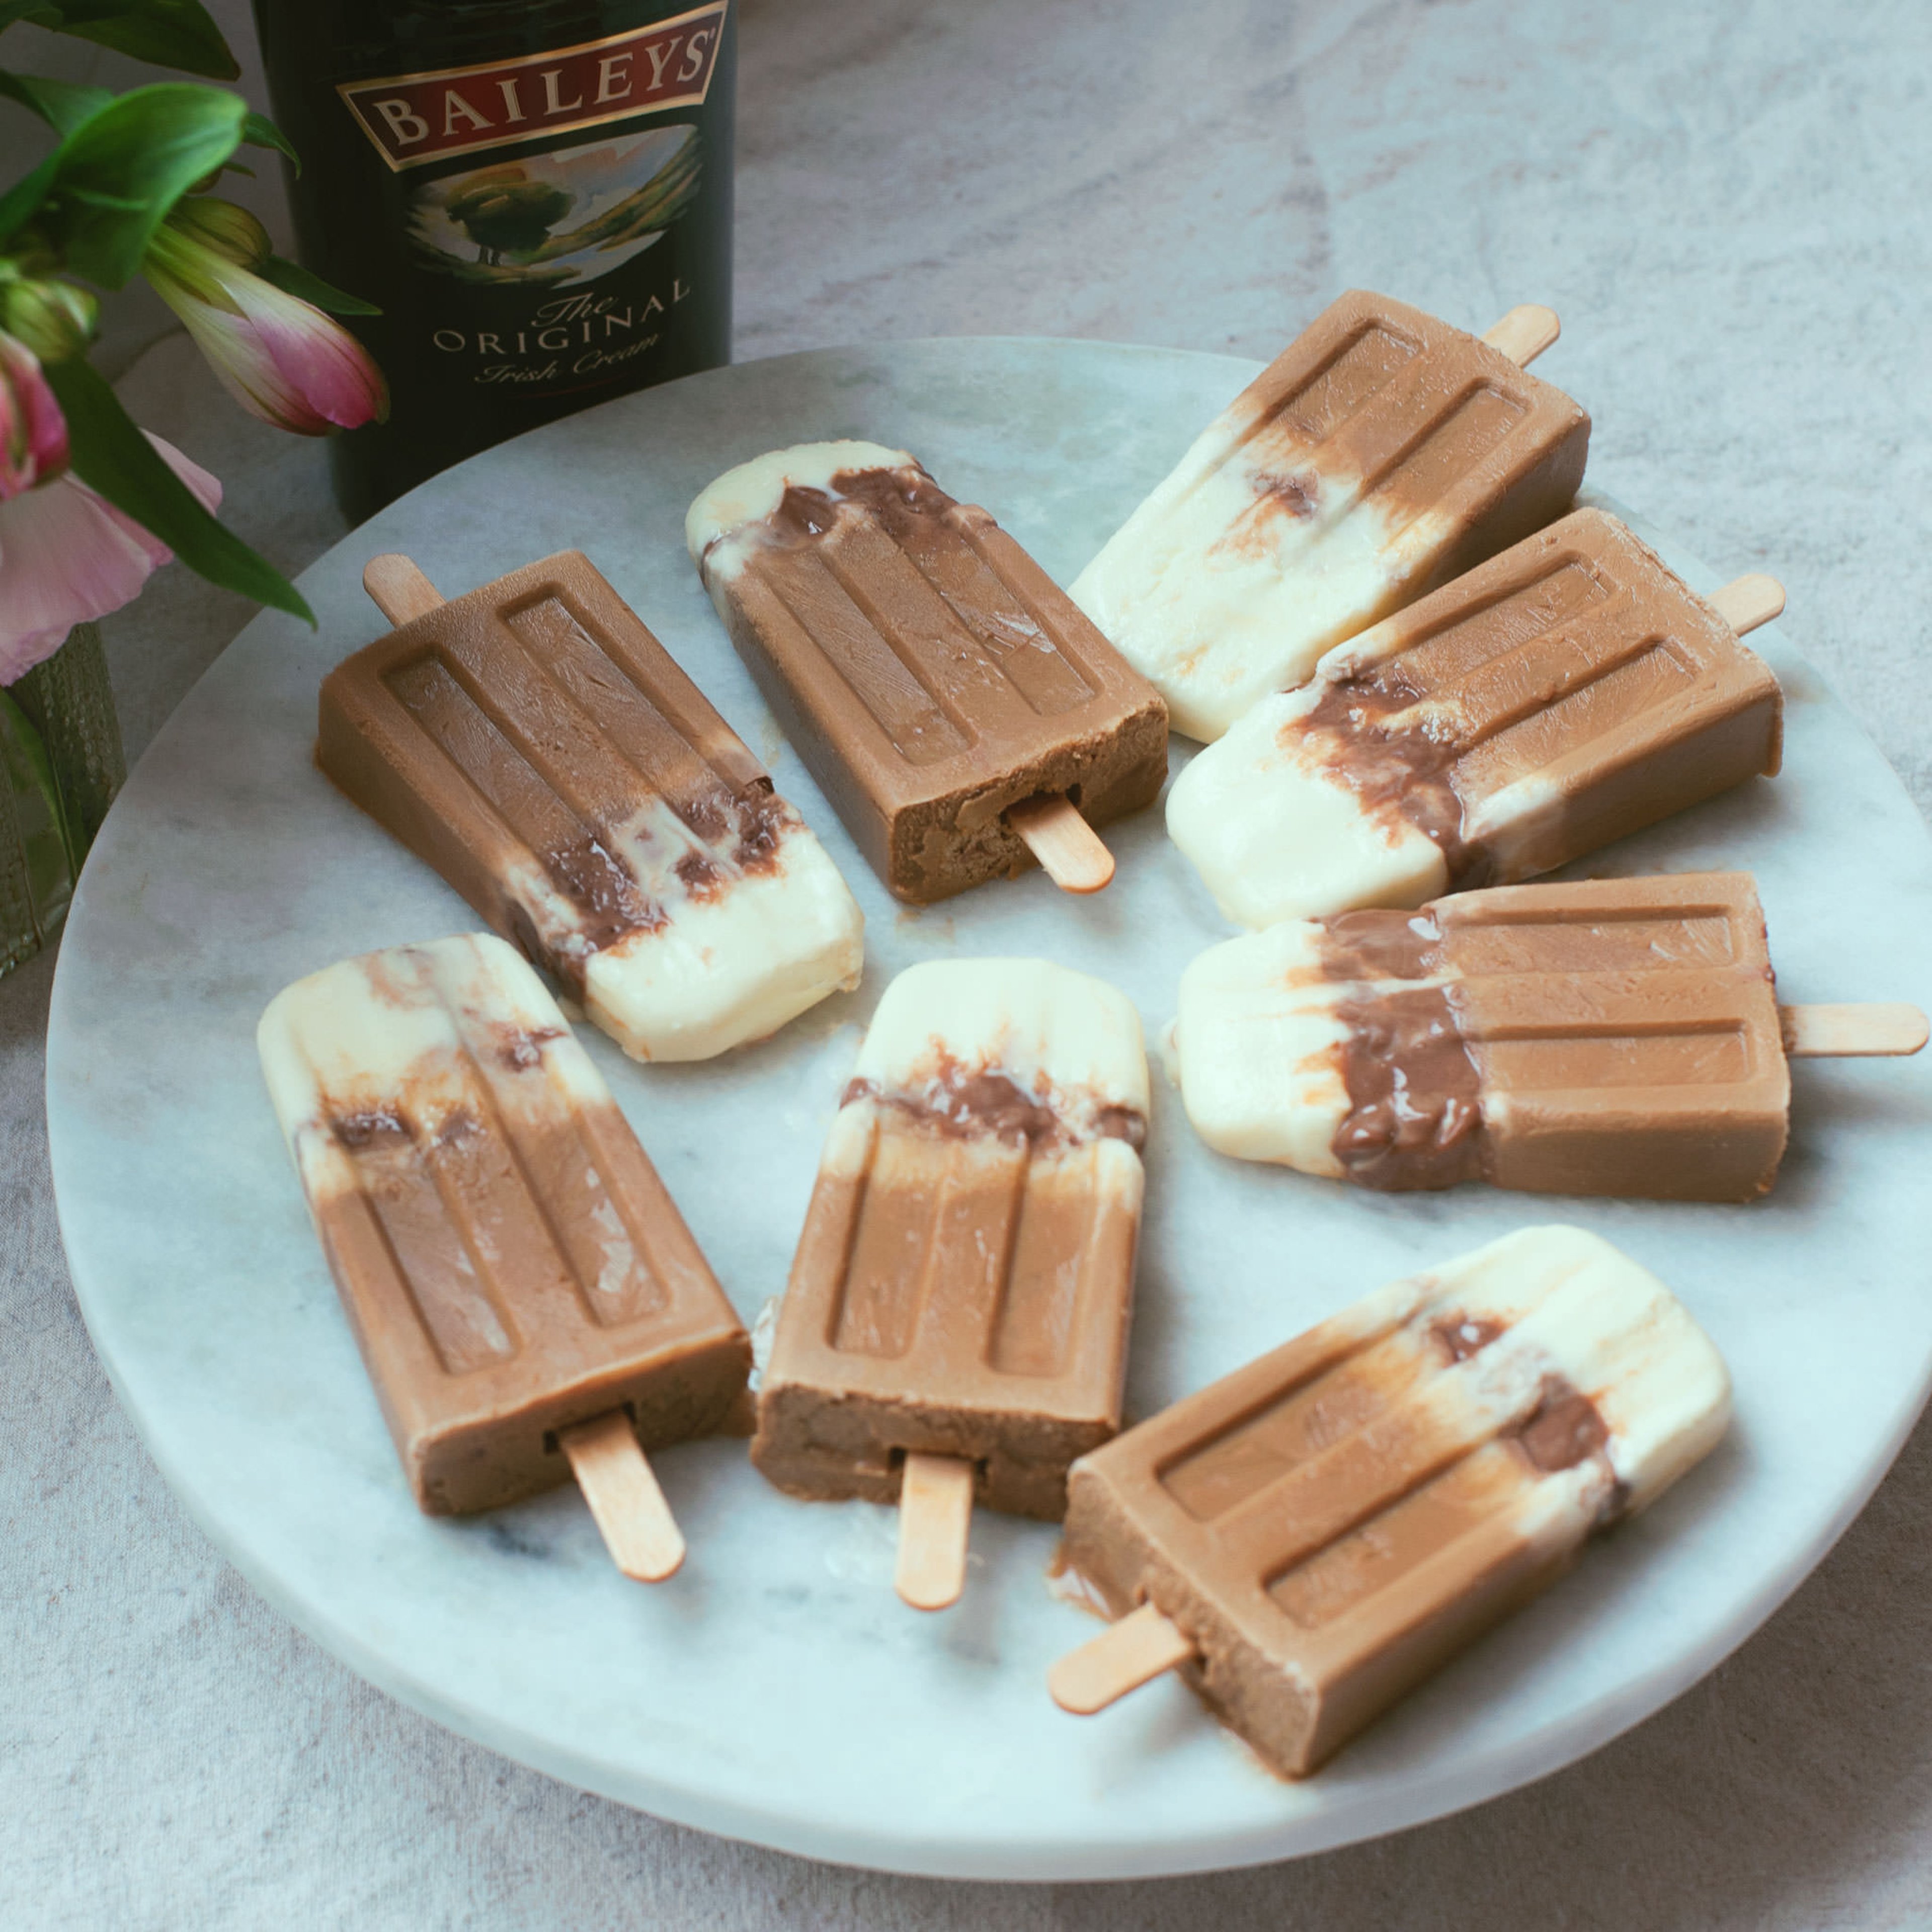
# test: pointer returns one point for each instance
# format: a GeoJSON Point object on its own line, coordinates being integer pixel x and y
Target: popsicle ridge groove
{"type": "Point", "coordinates": [432, 1256]}
{"type": "Point", "coordinates": [582, 1216]}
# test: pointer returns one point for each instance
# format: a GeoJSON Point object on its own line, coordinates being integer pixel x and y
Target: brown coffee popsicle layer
{"type": "Point", "coordinates": [955, 1327]}
{"type": "Point", "coordinates": [1565, 694]}
{"type": "Point", "coordinates": [1383, 452]}
{"type": "Point", "coordinates": [535, 743]}
{"type": "Point", "coordinates": [1608, 1036]}
{"type": "Point", "coordinates": [962, 715]}
{"type": "Point", "coordinates": [528, 1301]}
{"type": "Point", "coordinates": [1312, 1536]}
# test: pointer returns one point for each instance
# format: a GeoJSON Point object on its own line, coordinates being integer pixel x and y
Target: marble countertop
{"type": "Point", "coordinates": [1725, 202]}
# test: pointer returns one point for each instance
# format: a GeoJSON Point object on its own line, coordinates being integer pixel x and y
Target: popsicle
{"type": "Point", "coordinates": [537, 745]}
{"type": "Point", "coordinates": [1309, 1537]}
{"type": "Point", "coordinates": [1381, 453]}
{"type": "Point", "coordinates": [1615, 1037]}
{"type": "Point", "coordinates": [954, 1326]}
{"type": "Point", "coordinates": [954, 706]}
{"type": "Point", "coordinates": [528, 1301]}
{"type": "Point", "coordinates": [1564, 695]}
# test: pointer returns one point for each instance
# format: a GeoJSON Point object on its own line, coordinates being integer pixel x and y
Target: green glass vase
{"type": "Point", "coordinates": [61, 764]}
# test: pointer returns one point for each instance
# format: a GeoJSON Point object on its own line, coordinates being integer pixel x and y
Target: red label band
{"type": "Point", "coordinates": [422, 117]}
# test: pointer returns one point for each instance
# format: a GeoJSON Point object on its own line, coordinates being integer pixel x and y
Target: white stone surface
{"type": "Point", "coordinates": [1727, 204]}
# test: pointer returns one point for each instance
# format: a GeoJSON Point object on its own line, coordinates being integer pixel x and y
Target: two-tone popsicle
{"type": "Point", "coordinates": [955, 1327]}
{"type": "Point", "coordinates": [1565, 694]}
{"type": "Point", "coordinates": [962, 714]}
{"type": "Point", "coordinates": [538, 746]}
{"type": "Point", "coordinates": [1309, 1537]}
{"type": "Point", "coordinates": [527, 1299]}
{"type": "Point", "coordinates": [1610, 1036]}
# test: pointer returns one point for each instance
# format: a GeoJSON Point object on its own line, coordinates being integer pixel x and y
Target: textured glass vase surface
{"type": "Point", "coordinates": [60, 764]}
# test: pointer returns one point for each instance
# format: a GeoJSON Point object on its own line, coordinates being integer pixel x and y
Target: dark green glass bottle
{"type": "Point", "coordinates": [536, 193]}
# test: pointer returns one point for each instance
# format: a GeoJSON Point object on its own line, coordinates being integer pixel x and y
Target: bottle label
{"type": "Point", "coordinates": [415, 118]}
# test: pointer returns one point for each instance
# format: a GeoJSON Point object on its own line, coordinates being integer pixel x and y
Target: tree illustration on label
{"type": "Point", "coordinates": [504, 212]}
{"type": "Point", "coordinates": [500, 224]}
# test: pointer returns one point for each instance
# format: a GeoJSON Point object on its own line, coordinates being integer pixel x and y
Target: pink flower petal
{"type": "Point", "coordinates": [332, 370]}
{"type": "Point", "coordinates": [66, 555]}
{"type": "Point", "coordinates": [33, 432]}
{"type": "Point", "coordinates": [280, 358]}
{"type": "Point", "coordinates": [235, 353]}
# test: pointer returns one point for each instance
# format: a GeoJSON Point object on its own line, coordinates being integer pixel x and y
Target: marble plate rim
{"type": "Point", "coordinates": [1457, 1786]}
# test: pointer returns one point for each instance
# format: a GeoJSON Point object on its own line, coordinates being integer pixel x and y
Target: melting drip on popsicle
{"type": "Point", "coordinates": [1613, 1037]}
{"type": "Point", "coordinates": [1309, 1537]}
{"type": "Point", "coordinates": [954, 1331]}
{"type": "Point", "coordinates": [954, 705]}
{"type": "Point", "coordinates": [528, 1301]}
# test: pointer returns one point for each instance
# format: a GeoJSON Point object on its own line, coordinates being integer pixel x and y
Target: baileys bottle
{"type": "Point", "coordinates": [537, 193]}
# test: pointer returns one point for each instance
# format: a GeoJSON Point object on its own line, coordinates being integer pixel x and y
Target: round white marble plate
{"type": "Point", "coordinates": [776, 1690]}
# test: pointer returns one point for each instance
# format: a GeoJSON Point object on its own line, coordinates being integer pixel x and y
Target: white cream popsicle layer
{"type": "Point", "coordinates": [1557, 1302]}
{"type": "Point", "coordinates": [741, 947]}
{"type": "Point", "coordinates": [356, 1039]}
{"type": "Point", "coordinates": [1257, 1049]}
{"type": "Point", "coordinates": [1379, 454]}
{"type": "Point", "coordinates": [741, 500]}
{"type": "Point", "coordinates": [1217, 598]}
{"type": "Point", "coordinates": [1070, 1043]}
{"type": "Point", "coordinates": [1267, 817]}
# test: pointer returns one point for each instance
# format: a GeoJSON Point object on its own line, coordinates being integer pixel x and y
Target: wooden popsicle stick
{"type": "Point", "coordinates": [1123, 1658]}
{"type": "Point", "coordinates": [1873, 1029]}
{"type": "Point", "coordinates": [1524, 333]}
{"type": "Point", "coordinates": [1068, 848]}
{"type": "Point", "coordinates": [1746, 602]}
{"type": "Point", "coordinates": [400, 590]}
{"type": "Point", "coordinates": [639, 1530]}
{"type": "Point", "coordinates": [935, 1517]}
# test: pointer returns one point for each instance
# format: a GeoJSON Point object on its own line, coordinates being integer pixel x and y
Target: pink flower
{"type": "Point", "coordinates": [33, 432]}
{"type": "Point", "coordinates": [280, 357]}
{"type": "Point", "coordinates": [67, 555]}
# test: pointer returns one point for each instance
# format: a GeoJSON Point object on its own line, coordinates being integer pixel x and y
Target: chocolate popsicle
{"type": "Point", "coordinates": [1616, 1036]}
{"type": "Point", "coordinates": [528, 1301]}
{"type": "Point", "coordinates": [954, 706]}
{"type": "Point", "coordinates": [1381, 453]}
{"type": "Point", "coordinates": [1565, 694]}
{"type": "Point", "coordinates": [956, 1318]}
{"type": "Point", "coordinates": [537, 745]}
{"type": "Point", "coordinates": [1309, 1537]}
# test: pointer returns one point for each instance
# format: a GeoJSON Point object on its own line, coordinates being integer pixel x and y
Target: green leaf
{"type": "Point", "coordinates": [170, 33]}
{"type": "Point", "coordinates": [42, 768]}
{"type": "Point", "coordinates": [21, 202]}
{"type": "Point", "coordinates": [121, 171]}
{"type": "Point", "coordinates": [292, 278]}
{"type": "Point", "coordinates": [61, 104]}
{"type": "Point", "coordinates": [112, 456]}
{"type": "Point", "coordinates": [258, 131]}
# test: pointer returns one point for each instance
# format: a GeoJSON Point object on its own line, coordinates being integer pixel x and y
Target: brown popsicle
{"type": "Point", "coordinates": [1564, 695]}
{"type": "Point", "coordinates": [957, 709]}
{"type": "Point", "coordinates": [1607, 1037]}
{"type": "Point", "coordinates": [1382, 453]}
{"type": "Point", "coordinates": [954, 1326]}
{"type": "Point", "coordinates": [527, 1299]}
{"type": "Point", "coordinates": [1309, 1537]}
{"type": "Point", "coordinates": [537, 745]}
